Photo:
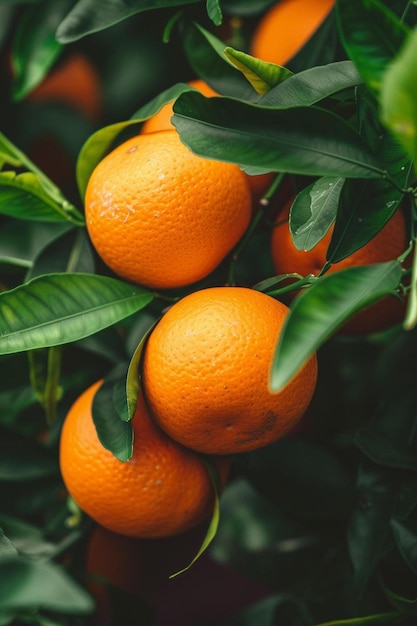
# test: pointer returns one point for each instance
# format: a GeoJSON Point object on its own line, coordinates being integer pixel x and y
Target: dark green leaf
{"type": "Point", "coordinates": [115, 434]}
{"type": "Point", "coordinates": [302, 140]}
{"type": "Point", "coordinates": [398, 96]}
{"type": "Point", "coordinates": [371, 34]}
{"type": "Point", "coordinates": [71, 252]}
{"type": "Point", "coordinates": [380, 618]}
{"type": "Point", "coordinates": [324, 306]}
{"type": "Point", "coordinates": [263, 613]}
{"type": "Point", "coordinates": [35, 48]}
{"type": "Point", "coordinates": [206, 55]}
{"type": "Point", "coordinates": [60, 308]}
{"type": "Point", "coordinates": [6, 547]}
{"type": "Point", "coordinates": [214, 11]}
{"type": "Point", "coordinates": [314, 211]}
{"type": "Point", "coordinates": [27, 539]}
{"type": "Point", "coordinates": [310, 86]}
{"type": "Point", "coordinates": [38, 584]}
{"type": "Point", "coordinates": [22, 459]}
{"type": "Point", "coordinates": [22, 241]}
{"type": "Point", "coordinates": [405, 533]}
{"type": "Point", "coordinates": [369, 532]}
{"type": "Point", "coordinates": [91, 16]}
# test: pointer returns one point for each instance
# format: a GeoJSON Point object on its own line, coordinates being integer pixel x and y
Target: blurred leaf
{"type": "Point", "coordinates": [60, 308]}
{"type": "Point", "coordinates": [35, 48]}
{"type": "Point", "coordinates": [310, 86]}
{"type": "Point", "coordinates": [245, 8]}
{"type": "Point", "coordinates": [302, 140]}
{"type": "Point", "coordinates": [261, 75]}
{"type": "Point", "coordinates": [22, 241]}
{"type": "Point", "coordinates": [214, 11]}
{"type": "Point", "coordinates": [399, 96]}
{"type": "Point", "coordinates": [98, 144]}
{"type": "Point", "coordinates": [6, 547]}
{"type": "Point", "coordinates": [314, 211]}
{"type": "Point", "coordinates": [115, 434]}
{"type": "Point", "coordinates": [24, 459]}
{"type": "Point", "coordinates": [206, 55]}
{"type": "Point", "coordinates": [71, 252]}
{"type": "Point", "coordinates": [323, 308]}
{"type": "Point", "coordinates": [369, 532]}
{"type": "Point", "coordinates": [371, 34]}
{"type": "Point", "coordinates": [380, 618]}
{"type": "Point", "coordinates": [91, 16]}
{"type": "Point", "coordinates": [27, 539]}
{"type": "Point", "coordinates": [405, 533]}
{"type": "Point", "coordinates": [263, 613]}
{"type": "Point", "coordinates": [37, 584]}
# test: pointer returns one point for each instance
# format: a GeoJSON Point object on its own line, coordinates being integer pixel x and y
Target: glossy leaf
{"type": "Point", "coordinates": [261, 75]}
{"type": "Point", "coordinates": [371, 34]}
{"type": "Point", "coordinates": [100, 142]}
{"type": "Point", "coordinates": [313, 85]}
{"type": "Point", "coordinates": [61, 308]}
{"type": "Point", "coordinates": [398, 96]}
{"type": "Point", "coordinates": [28, 584]}
{"type": "Point", "coordinates": [115, 434]}
{"type": "Point", "coordinates": [91, 16]}
{"type": "Point", "coordinates": [206, 55]}
{"type": "Point", "coordinates": [323, 308]}
{"type": "Point", "coordinates": [308, 141]}
{"type": "Point", "coordinates": [314, 211]}
{"type": "Point", "coordinates": [35, 47]}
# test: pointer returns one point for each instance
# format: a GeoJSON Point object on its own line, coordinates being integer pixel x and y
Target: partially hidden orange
{"type": "Point", "coordinates": [387, 245]}
{"type": "Point", "coordinates": [163, 490]}
{"type": "Point", "coordinates": [286, 27]}
{"type": "Point", "coordinates": [159, 215]}
{"type": "Point", "coordinates": [206, 370]}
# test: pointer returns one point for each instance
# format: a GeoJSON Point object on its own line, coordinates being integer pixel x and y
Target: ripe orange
{"type": "Point", "coordinates": [206, 372]}
{"type": "Point", "coordinates": [161, 216]}
{"type": "Point", "coordinates": [164, 489]}
{"type": "Point", "coordinates": [162, 121]}
{"type": "Point", "coordinates": [387, 245]}
{"type": "Point", "coordinates": [73, 81]}
{"type": "Point", "coordinates": [286, 27]}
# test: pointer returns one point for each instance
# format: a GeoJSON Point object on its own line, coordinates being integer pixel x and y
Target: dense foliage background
{"type": "Point", "coordinates": [321, 527]}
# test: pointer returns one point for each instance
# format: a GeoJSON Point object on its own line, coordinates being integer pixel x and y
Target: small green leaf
{"type": "Point", "coordinates": [314, 211]}
{"type": "Point", "coordinates": [399, 96]}
{"type": "Point", "coordinates": [56, 309]}
{"type": "Point", "coordinates": [214, 522]}
{"type": "Point", "coordinates": [214, 11]}
{"type": "Point", "coordinates": [115, 434]}
{"type": "Point", "coordinates": [323, 308]}
{"type": "Point", "coordinates": [261, 75]}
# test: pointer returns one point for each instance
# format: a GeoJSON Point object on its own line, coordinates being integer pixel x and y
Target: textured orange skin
{"type": "Point", "coordinates": [389, 243]}
{"type": "Point", "coordinates": [162, 121]}
{"type": "Point", "coordinates": [163, 490]}
{"type": "Point", "coordinates": [161, 216]}
{"type": "Point", "coordinates": [286, 27]}
{"type": "Point", "coordinates": [73, 81]}
{"type": "Point", "coordinates": [206, 372]}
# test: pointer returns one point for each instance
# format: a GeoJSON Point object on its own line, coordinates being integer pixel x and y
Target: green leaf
{"type": "Point", "coordinates": [91, 16]}
{"type": "Point", "coordinates": [27, 539]}
{"type": "Point", "coordinates": [37, 584]}
{"type": "Point", "coordinates": [56, 309]}
{"type": "Point", "coordinates": [6, 547]}
{"type": "Point", "coordinates": [313, 85]}
{"type": "Point", "coordinates": [214, 521]}
{"type": "Point", "coordinates": [314, 211]}
{"type": "Point", "coordinates": [261, 75]}
{"type": "Point", "coordinates": [399, 96]}
{"type": "Point", "coordinates": [115, 434]}
{"type": "Point", "coordinates": [100, 142]}
{"type": "Point", "coordinates": [379, 618]}
{"type": "Point", "coordinates": [303, 140]}
{"type": "Point", "coordinates": [405, 533]}
{"type": "Point", "coordinates": [214, 11]}
{"type": "Point", "coordinates": [22, 241]}
{"type": "Point", "coordinates": [323, 308]}
{"type": "Point", "coordinates": [35, 47]}
{"type": "Point", "coordinates": [371, 34]}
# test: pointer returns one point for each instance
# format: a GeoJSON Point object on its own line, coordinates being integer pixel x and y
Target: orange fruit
{"type": "Point", "coordinates": [286, 27]}
{"type": "Point", "coordinates": [258, 184]}
{"type": "Point", "coordinates": [387, 245]}
{"type": "Point", "coordinates": [73, 81]}
{"type": "Point", "coordinates": [164, 489]}
{"type": "Point", "coordinates": [206, 371]}
{"type": "Point", "coordinates": [161, 216]}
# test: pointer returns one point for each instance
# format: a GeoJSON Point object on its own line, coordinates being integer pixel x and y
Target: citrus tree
{"type": "Point", "coordinates": [305, 116]}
